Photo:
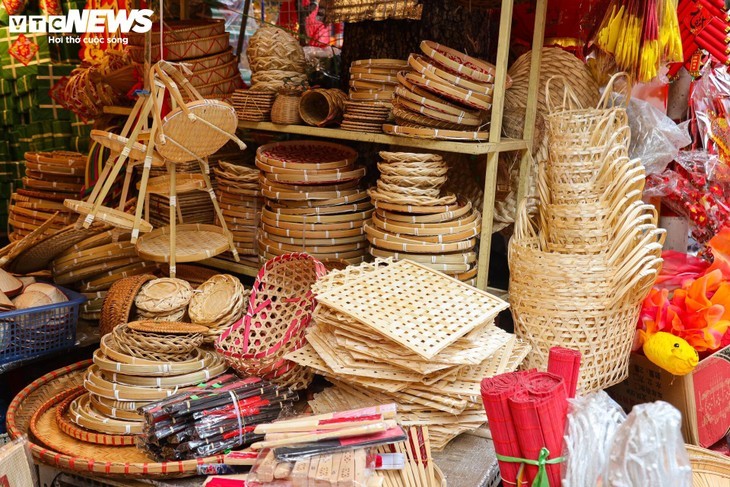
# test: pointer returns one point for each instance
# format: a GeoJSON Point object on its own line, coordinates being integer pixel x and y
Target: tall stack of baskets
{"type": "Point", "coordinates": [577, 280]}
{"type": "Point", "coordinates": [203, 45]}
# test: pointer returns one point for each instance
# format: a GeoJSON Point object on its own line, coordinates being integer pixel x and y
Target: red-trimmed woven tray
{"type": "Point", "coordinates": [25, 404]}
{"type": "Point", "coordinates": [181, 30]}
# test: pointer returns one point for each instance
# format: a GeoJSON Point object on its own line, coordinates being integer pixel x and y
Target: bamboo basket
{"type": "Point", "coordinates": [285, 109]}
{"type": "Point", "coordinates": [585, 302]}
{"type": "Point", "coordinates": [709, 469]}
{"type": "Point", "coordinates": [322, 107]}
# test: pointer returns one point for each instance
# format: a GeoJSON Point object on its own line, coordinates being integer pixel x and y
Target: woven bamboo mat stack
{"type": "Point", "coordinates": [138, 363]}
{"type": "Point", "coordinates": [252, 105]}
{"type": "Point", "coordinates": [50, 178]}
{"type": "Point", "coordinates": [92, 265]}
{"type": "Point", "coordinates": [447, 95]}
{"type": "Point", "coordinates": [400, 332]}
{"type": "Point", "coordinates": [372, 84]}
{"type": "Point", "coordinates": [195, 205]}
{"type": "Point", "coordinates": [314, 201]}
{"type": "Point", "coordinates": [241, 203]}
{"type": "Point", "coordinates": [415, 219]}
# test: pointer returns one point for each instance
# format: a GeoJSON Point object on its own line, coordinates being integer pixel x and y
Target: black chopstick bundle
{"type": "Point", "coordinates": [211, 418]}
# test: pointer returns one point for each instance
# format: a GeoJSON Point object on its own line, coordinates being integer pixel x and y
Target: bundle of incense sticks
{"type": "Point", "coordinates": [211, 418]}
{"type": "Point", "coordinates": [329, 433]}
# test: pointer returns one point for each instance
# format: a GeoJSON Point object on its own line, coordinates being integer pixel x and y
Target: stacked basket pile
{"type": "Point", "coordinates": [138, 363]}
{"type": "Point", "coordinates": [372, 84]}
{"type": "Point", "coordinates": [578, 279]}
{"type": "Point", "coordinates": [400, 332]}
{"type": "Point", "coordinates": [95, 263]}
{"type": "Point", "coordinates": [203, 45]}
{"type": "Point", "coordinates": [241, 203]}
{"type": "Point", "coordinates": [218, 303]}
{"type": "Point", "coordinates": [277, 62]}
{"type": "Point", "coordinates": [164, 299]}
{"type": "Point", "coordinates": [50, 177]}
{"type": "Point", "coordinates": [415, 220]}
{"type": "Point", "coordinates": [314, 201]}
{"type": "Point", "coordinates": [446, 95]}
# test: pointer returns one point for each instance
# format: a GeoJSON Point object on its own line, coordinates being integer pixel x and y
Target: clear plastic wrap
{"type": "Point", "coordinates": [214, 417]}
{"type": "Point", "coordinates": [710, 99]}
{"type": "Point", "coordinates": [591, 427]}
{"type": "Point", "coordinates": [648, 449]}
{"type": "Point", "coordinates": [655, 138]}
{"type": "Point", "coordinates": [351, 468]}
{"type": "Point", "coordinates": [16, 464]}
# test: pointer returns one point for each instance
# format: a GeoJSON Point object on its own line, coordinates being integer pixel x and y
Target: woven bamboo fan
{"type": "Point", "coordinates": [193, 242]}
{"type": "Point", "coordinates": [280, 308]}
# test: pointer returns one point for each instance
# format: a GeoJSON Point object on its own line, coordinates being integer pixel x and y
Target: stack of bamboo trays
{"type": "Point", "coordinates": [375, 80]}
{"type": "Point", "coordinates": [314, 201]}
{"type": "Point", "coordinates": [194, 206]}
{"type": "Point", "coordinates": [401, 332]}
{"type": "Point", "coordinates": [138, 363]}
{"type": "Point", "coordinates": [95, 263]}
{"type": "Point", "coordinates": [415, 220]}
{"type": "Point", "coordinates": [253, 106]}
{"type": "Point", "coordinates": [239, 195]}
{"type": "Point", "coordinates": [446, 95]}
{"type": "Point", "coordinates": [50, 177]}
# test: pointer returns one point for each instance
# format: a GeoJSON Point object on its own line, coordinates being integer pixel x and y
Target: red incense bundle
{"type": "Point", "coordinates": [565, 363]}
{"type": "Point", "coordinates": [495, 394]}
{"type": "Point", "coordinates": [540, 409]}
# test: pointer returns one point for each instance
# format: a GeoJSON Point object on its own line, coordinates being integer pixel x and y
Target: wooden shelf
{"type": "Point", "coordinates": [476, 148]}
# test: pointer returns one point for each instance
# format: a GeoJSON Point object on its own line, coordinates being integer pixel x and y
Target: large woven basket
{"type": "Point", "coordinates": [279, 311]}
{"type": "Point", "coordinates": [585, 302]}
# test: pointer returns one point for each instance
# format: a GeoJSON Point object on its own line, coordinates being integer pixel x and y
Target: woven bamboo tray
{"type": "Point", "coordinates": [71, 429]}
{"type": "Point", "coordinates": [181, 30]}
{"type": "Point", "coordinates": [306, 155]}
{"type": "Point", "coordinates": [111, 216]}
{"type": "Point", "coordinates": [432, 70]}
{"type": "Point", "coordinates": [467, 66]}
{"type": "Point", "coordinates": [433, 133]}
{"type": "Point", "coordinates": [194, 242]}
{"type": "Point", "coordinates": [451, 92]}
{"type": "Point", "coordinates": [182, 50]}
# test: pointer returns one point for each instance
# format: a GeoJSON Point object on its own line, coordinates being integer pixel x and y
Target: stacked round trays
{"type": "Point", "coordinates": [50, 178]}
{"type": "Point", "coordinates": [314, 201]}
{"type": "Point", "coordinates": [372, 84]}
{"type": "Point", "coordinates": [92, 265]}
{"type": "Point", "coordinates": [241, 203]}
{"type": "Point", "coordinates": [446, 95]}
{"type": "Point", "coordinates": [34, 412]}
{"type": "Point", "coordinates": [203, 45]}
{"type": "Point", "coordinates": [414, 220]}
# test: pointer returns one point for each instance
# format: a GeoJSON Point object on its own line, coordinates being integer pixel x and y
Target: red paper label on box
{"type": "Point", "coordinates": [23, 49]}
{"type": "Point", "coordinates": [711, 383]}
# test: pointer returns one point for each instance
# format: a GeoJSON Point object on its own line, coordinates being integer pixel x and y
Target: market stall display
{"type": "Point", "coordinates": [431, 367]}
{"type": "Point", "coordinates": [276, 60]}
{"type": "Point", "coordinates": [314, 201]}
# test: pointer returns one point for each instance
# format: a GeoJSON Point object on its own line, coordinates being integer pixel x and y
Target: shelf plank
{"type": "Point", "coordinates": [115, 110]}
{"type": "Point", "coordinates": [476, 148]}
{"type": "Point", "coordinates": [231, 266]}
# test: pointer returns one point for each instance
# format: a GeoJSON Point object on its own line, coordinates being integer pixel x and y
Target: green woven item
{"type": "Point", "coordinates": [7, 103]}
{"type": "Point", "coordinates": [25, 84]}
{"type": "Point", "coordinates": [9, 118]}
{"type": "Point", "coordinates": [21, 54]}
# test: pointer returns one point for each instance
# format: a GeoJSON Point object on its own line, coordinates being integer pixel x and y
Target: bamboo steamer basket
{"type": "Point", "coordinates": [285, 109]}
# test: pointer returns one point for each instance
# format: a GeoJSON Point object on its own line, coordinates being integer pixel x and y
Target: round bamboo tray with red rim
{"type": "Point", "coordinates": [458, 62]}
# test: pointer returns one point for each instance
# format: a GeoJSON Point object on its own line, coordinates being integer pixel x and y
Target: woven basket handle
{"type": "Point", "coordinates": [646, 244]}
{"type": "Point", "coordinates": [634, 290]}
{"type": "Point", "coordinates": [605, 102]}
{"type": "Point", "coordinates": [173, 79]}
{"type": "Point", "coordinates": [524, 227]}
{"type": "Point", "coordinates": [570, 99]}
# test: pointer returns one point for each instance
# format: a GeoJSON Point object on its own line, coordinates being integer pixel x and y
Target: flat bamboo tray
{"type": "Point", "coordinates": [194, 242]}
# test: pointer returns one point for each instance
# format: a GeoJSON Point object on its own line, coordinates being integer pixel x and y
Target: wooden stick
{"type": "Point", "coordinates": [311, 438]}
{"type": "Point", "coordinates": [173, 218]}
{"type": "Point", "coordinates": [387, 411]}
{"type": "Point", "coordinates": [429, 458]}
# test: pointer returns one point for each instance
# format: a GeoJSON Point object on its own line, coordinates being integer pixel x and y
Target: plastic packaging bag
{"type": "Point", "coordinates": [655, 138]}
{"type": "Point", "coordinates": [649, 450]}
{"type": "Point", "coordinates": [591, 427]}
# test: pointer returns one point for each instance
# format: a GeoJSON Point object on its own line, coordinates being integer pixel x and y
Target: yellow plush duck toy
{"type": "Point", "coordinates": [669, 352]}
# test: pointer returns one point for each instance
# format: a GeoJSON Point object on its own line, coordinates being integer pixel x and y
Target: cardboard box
{"type": "Point", "coordinates": [701, 397]}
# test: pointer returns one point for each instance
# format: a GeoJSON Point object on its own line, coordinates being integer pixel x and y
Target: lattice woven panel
{"type": "Point", "coordinates": [416, 307]}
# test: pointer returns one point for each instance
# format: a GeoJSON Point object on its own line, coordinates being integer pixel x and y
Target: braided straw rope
{"type": "Point", "coordinates": [154, 346]}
